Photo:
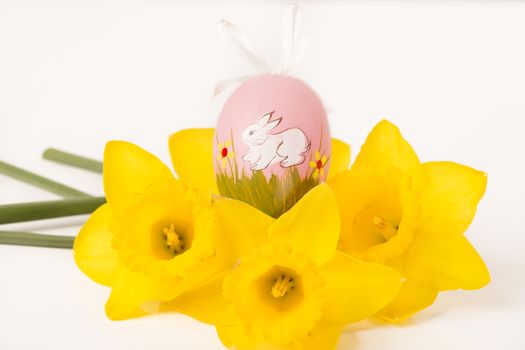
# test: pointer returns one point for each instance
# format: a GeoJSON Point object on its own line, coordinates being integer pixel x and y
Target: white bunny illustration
{"type": "Point", "coordinates": [286, 148]}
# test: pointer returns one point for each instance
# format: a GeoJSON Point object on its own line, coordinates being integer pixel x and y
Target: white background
{"type": "Point", "coordinates": [74, 74]}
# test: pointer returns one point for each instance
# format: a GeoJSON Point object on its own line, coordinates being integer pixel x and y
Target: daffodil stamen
{"type": "Point", "coordinates": [384, 227]}
{"type": "Point", "coordinates": [173, 240]}
{"type": "Point", "coordinates": [282, 286]}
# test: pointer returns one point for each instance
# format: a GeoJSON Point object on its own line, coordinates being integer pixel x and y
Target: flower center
{"type": "Point", "coordinates": [174, 241]}
{"type": "Point", "coordinates": [384, 227]}
{"type": "Point", "coordinates": [224, 152]}
{"type": "Point", "coordinates": [319, 164]}
{"type": "Point", "coordinates": [282, 285]}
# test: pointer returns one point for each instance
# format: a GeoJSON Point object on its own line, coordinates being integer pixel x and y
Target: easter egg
{"type": "Point", "coordinates": [272, 143]}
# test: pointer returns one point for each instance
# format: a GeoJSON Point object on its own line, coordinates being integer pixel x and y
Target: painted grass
{"type": "Point", "coordinates": [273, 196]}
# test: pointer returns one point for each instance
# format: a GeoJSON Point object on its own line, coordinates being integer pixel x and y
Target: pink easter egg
{"type": "Point", "coordinates": [272, 143]}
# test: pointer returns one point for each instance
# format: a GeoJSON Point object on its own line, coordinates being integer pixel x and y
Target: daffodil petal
{"type": "Point", "coordinates": [200, 275]}
{"type": "Point", "coordinates": [235, 337]}
{"type": "Point", "coordinates": [385, 149]}
{"type": "Point", "coordinates": [340, 158]}
{"type": "Point", "coordinates": [445, 263]}
{"type": "Point", "coordinates": [192, 158]}
{"type": "Point", "coordinates": [450, 193]}
{"type": "Point", "coordinates": [92, 249]}
{"type": "Point", "coordinates": [410, 300]}
{"type": "Point", "coordinates": [243, 228]}
{"type": "Point", "coordinates": [131, 290]}
{"type": "Point", "coordinates": [312, 226]}
{"type": "Point", "coordinates": [356, 290]}
{"type": "Point", "coordinates": [130, 171]}
{"type": "Point", "coordinates": [206, 303]}
{"type": "Point", "coordinates": [323, 336]}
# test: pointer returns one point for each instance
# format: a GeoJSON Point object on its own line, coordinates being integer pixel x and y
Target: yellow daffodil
{"type": "Point", "coordinates": [290, 287]}
{"type": "Point", "coordinates": [191, 154]}
{"type": "Point", "coordinates": [224, 152]}
{"type": "Point", "coordinates": [411, 216]}
{"type": "Point", "coordinates": [153, 240]}
{"type": "Point", "coordinates": [318, 165]}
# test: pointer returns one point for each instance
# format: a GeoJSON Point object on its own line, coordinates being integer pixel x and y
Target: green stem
{"type": "Point", "coordinates": [40, 181]}
{"type": "Point", "coordinates": [73, 160]}
{"type": "Point", "coordinates": [36, 240]}
{"type": "Point", "coordinates": [10, 213]}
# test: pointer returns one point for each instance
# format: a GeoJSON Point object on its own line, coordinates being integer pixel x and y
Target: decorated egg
{"type": "Point", "coordinates": [272, 143]}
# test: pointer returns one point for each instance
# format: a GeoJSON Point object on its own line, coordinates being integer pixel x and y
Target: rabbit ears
{"type": "Point", "coordinates": [265, 122]}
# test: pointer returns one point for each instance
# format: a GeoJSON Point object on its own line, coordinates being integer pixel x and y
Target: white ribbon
{"type": "Point", "coordinates": [293, 48]}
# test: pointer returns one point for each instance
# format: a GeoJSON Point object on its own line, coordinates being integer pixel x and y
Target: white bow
{"type": "Point", "coordinates": [293, 48]}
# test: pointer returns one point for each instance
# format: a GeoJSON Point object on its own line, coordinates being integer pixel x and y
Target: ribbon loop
{"type": "Point", "coordinates": [243, 45]}
{"type": "Point", "coordinates": [293, 48]}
